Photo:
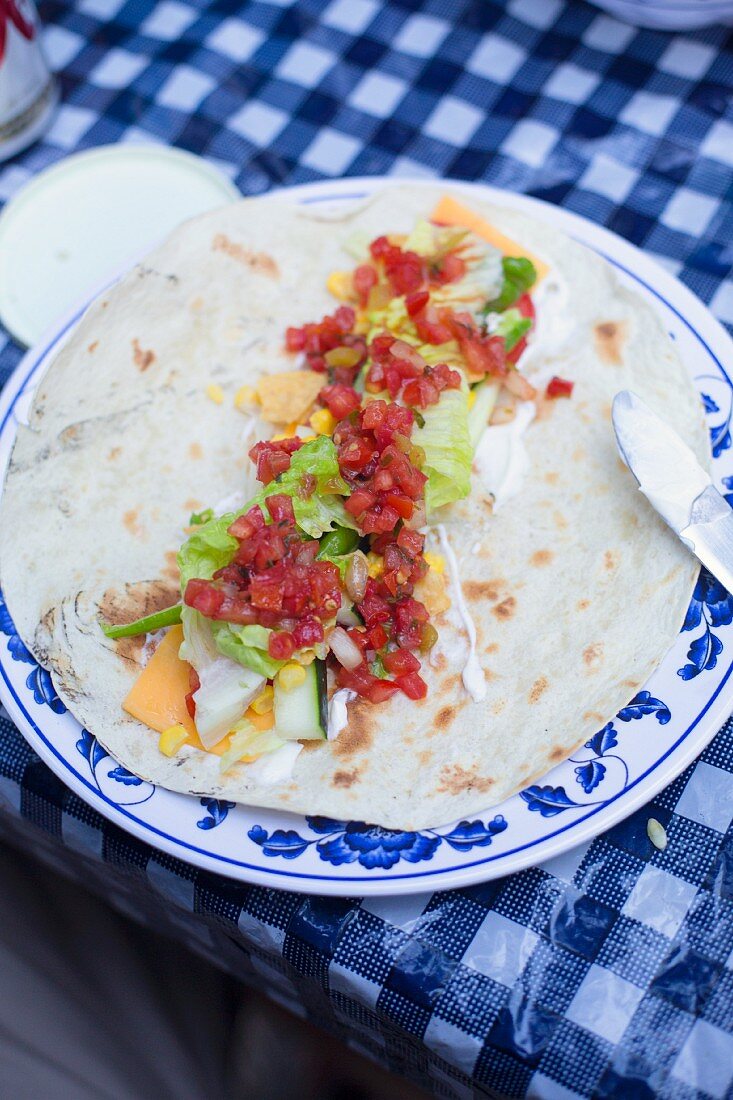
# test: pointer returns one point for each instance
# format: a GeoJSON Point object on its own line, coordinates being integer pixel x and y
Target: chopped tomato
{"type": "Point", "coordinates": [400, 662]}
{"type": "Point", "coordinates": [415, 303]}
{"type": "Point", "coordinates": [448, 270]}
{"type": "Point", "coordinates": [559, 387]}
{"type": "Point", "coordinates": [365, 277]}
{"type": "Point", "coordinates": [483, 354]}
{"type": "Point", "coordinates": [413, 685]}
{"type": "Point", "coordinates": [319, 338]}
{"type": "Point", "coordinates": [340, 399]}
{"type": "Point", "coordinates": [272, 457]}
{"type": "Point", "coordinates": [281, 645]}
{"type": "Point", "coordinates": [361, 680]}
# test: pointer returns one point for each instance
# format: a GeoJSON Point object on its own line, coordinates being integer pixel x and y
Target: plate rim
{"type": "Point", "coordinates": [685, 749]}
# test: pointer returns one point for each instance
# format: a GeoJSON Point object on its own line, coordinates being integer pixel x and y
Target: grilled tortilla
{"type": "Point", "coordinates": [575, 586]}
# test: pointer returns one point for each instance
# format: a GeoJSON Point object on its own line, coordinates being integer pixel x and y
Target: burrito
{"type": "Point", "coordinates": [321, 510]}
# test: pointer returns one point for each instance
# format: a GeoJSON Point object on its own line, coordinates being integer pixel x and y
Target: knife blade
{"type": "Point", "coordinates": [675, 484]}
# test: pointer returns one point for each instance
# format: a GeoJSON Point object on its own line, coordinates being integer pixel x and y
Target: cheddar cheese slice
{"type": "Point", "coordinates": [158, 696]}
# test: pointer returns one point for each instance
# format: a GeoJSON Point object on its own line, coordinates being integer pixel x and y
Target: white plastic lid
{"type": "Point", "coordinates": [84, 219]}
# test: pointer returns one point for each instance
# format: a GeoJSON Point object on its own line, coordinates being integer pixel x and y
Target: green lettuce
{"type": "Point", "coordinates": [226, 688]}
{"type": "Point", "coordinates": [323, 509]}
{"type": "Point", "coordinates": [247, 645]}
{"type": "Point", "coordinates": [209, 548]}
{"type": "Point", "coordinates": [445, 439]}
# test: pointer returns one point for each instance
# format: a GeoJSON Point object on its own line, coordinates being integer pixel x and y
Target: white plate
{"type": "Point", "coordinates": [649, 743]}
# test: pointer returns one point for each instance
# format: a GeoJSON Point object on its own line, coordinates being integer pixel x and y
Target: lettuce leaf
{"type": "Point", "coordinates": [248, 742]}
{"type": "Point", "coordinates": [226, 689]}
{"type": "Point", "coordinates": [210, 547]}
{"type": "Point", "coordinates": [445, 439]}
{"type": "Point", "coordinates": [323, 509]}
{"type": "Point", "coordinates": [247, 645]}
{"type": "Point", "coordinates": [206, 550]}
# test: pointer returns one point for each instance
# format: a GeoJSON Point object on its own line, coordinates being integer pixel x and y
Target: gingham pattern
{"type": "Point", "coordinates": [608, 972]}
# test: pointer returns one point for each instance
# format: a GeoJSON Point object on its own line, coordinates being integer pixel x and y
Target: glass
{"type": "Point", "coordinates": [28, 92]}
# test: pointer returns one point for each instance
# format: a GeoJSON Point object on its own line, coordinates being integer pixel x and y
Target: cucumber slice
{"type": "Point", "coordinates": [301, 714]}
{"type": "Point", "coordinates": [483, 406]}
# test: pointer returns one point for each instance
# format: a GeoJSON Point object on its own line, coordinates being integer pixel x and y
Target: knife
{"type": "Point", "coordinates": [675, 484]}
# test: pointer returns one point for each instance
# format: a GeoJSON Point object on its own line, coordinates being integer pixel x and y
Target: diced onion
{"type": "Point", "coordinates": [401, 350]}
{"type": "Point", "coordinates": [346, 616]}
{"type": "Point", "coordinates": [357, 575]}
{"type": "Point", "coordinates": [344, 650]}
{"type": "Point", "coordinates": [517, 384]}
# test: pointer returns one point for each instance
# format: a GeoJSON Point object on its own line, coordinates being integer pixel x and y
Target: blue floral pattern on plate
{"type": "Point", "coordinates": [371, 846]}
{"type": "Point", "coordinates": [711, 606]}
{"type": "Point", "coordinates": [217, 811]}
{"type": "Point", "coordinates": [591, 771]}
{"type": "Point", "coordinates": [38, 679]}
{"type": "Point", "coordinates": [130, 790]}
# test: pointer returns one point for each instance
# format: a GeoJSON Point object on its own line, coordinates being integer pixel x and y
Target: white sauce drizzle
{"type": "Point", "coordinates": [501, 460]}
{"type": "Point", "coordinates": [473, 677]}
{"type": "Point", "coordinates": [554, 327]}
{"type": "Point", "coordinates": [275, 767]}
{"type": "Point", "coordinates": [338, 715]}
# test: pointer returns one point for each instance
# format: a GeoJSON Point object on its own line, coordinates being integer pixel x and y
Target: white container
{"type": "Point", "coordinates": [28, 93]}
{"type": "Point", "coordinates": [87, 218]}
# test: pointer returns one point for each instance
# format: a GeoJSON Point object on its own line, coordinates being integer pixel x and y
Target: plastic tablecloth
{"type": "Point", "coordinates": [609, 971]}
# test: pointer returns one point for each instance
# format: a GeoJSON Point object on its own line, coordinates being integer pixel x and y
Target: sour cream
{"type": "Point", "coordinates": [555, 332]}
{"type": "Point", "coordinates": [473, 677]}
{"type": "Point", "coordinates": [338, 715]}
{"type": "Point", "coordinates": [275, 767]}
{"type": "Point", "coordinates": [501, 460]}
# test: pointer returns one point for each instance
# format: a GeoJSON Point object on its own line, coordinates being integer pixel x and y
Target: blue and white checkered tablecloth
{"type": "Point", "coordinates": [608, 972]}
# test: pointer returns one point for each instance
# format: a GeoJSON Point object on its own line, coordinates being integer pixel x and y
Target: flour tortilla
{"type": "Point", "coordinates": [576, 587]}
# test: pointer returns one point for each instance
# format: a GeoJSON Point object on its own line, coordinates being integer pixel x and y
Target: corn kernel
{"type": "Point", "coordinates": [263, 703]}
{"type": "Point", "coordinates": [291, 675]}
{"type": "Point", "coordinates": [471, 398]}
{"type": "Point", "coordinates": [171, 740]}
{"type": "Point", "coordinates": [435, 561]}
{"type": "Point", "coordinates": [323, 422]}
{"type": "Point", "coordinates": [340, 285]}
{"type": "Point", "coordinates": [375, 565]}
{"type": "Point", "coordinates": [245, 397]}
{"type": "Point", "coordinates": [286, 433]}
{"type": "Point", "coordinates": [342, 357]}
{"type": "Point", "coordinates": [215, 393]}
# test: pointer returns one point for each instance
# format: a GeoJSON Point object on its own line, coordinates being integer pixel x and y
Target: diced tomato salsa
{"type": "Point", "coordinates": [274, 578]}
